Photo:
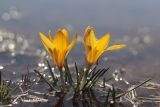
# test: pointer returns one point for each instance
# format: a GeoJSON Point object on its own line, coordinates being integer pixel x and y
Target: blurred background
{"type": "Point", "coordinates": [134, 22]}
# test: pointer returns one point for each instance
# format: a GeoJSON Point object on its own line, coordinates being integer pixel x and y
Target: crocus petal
{"type": "Point", "coordinates": [86, 39]}
{"type": "Point", "coordinates": [97, 55]}
{"type": "Point", "coordinates": [65, 33]}
{"type": "Point", "coordinates": [103, 42]}
{"type": "Point", "coordinates": [60, 57]}
{"type": "Point", "coordinates": [49, 36]}
{"type": "Point", "coordinates": [71, 44]}
{"type": "Point", "coordinates": [89, 57]}
{"type": "Point", "coordinates": [45, 41]}
{"type": "Point", "coordinates": [115, 47]}
{"type": "Point", "coordinates": [93, 38]}
{"type": "Point", "coordinates": [60, 40]}
{"type": "Point", "coordinates": [53, 55]}
{"type": "Point", "coordinates": [101, 45]}
{"type": "Point", "coordinates": [92, 56]}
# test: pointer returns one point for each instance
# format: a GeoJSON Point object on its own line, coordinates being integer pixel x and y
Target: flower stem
{"type": "Point", "coordinates": [62, 80]}
{"type": "Point", "coordinates": [84, 78]}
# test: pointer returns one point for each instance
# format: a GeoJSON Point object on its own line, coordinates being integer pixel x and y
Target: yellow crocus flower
{"type": "Point", "coordinates": [58, 47]}
{"type": "Point", "coordinates": [94, 47]}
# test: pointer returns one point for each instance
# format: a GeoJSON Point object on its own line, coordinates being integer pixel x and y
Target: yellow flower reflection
{"type": "Point", "coordinates": [58, 47]}
{"type": "Point", "coordinates": [95, 48]}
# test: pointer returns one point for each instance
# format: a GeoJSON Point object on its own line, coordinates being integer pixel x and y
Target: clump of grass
{"type": "Point", "coordinates": [6, 92]}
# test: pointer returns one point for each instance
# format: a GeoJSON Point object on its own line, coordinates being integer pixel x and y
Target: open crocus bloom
{"type": "Point", "coordinates": [95, 48]}
{"type": "Point", "coordinates": [58, 47]}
